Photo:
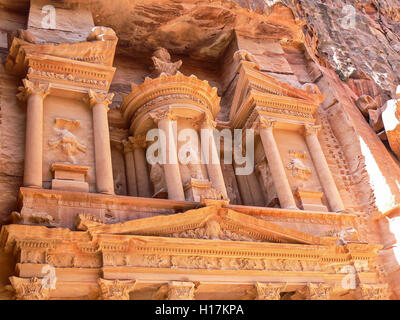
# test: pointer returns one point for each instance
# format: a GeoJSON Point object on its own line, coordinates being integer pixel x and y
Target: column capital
{"type": "Point", "coordinates": [138, 141]}
{"type": "Point", "coordinates": [204, 121]}
{"type": "Point", "coordinates": [316, 291]}
{"type": "Point", "coordinates": [128, 147]}
{"type": "Point", "coordinates": [372, 292]}
{"type": "Point", "coordinates": [116, 289]}
{"type": "Point", "coordinates": [311, 129]}
{"type": "Point", "coordinates": [162, 114]}
{"type": "Point", "coordinates": [268, 291]}
{"type": "Point", "coordinates": [29, 289]}
{"type": "Point", "coordinates": [94, 98]}
{"type": "Point", "coordinates": [178, 290]}
{"type": "Point", "coordinates": [33, 87]}
{"type": "Point", "coordinates": [265, 123]}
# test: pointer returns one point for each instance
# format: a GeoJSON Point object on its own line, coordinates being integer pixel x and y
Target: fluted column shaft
{"type": "Point", "coordinates": [130, 168]}
{"type": "Point", "coordinates": [34, 94]}
{"type": "Point", "coordinates": [142, 172]}
{"type": "Point", "coordinates": [324, 173]}
{"type": "Point", "coordinates": [104, 175]}
{"type": "Point", "coordinates": [278, 173]}
{"type": "Point", "coordinates": [213, 164]}
{"type": "Point", "coordinates": [171, 167]}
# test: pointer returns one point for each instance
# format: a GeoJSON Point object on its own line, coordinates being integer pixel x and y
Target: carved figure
{"type": "Point", "coordinates": [158, 179]}
{"type": "Point", "coordinates": [66, 140]}
{"type": "Point", "coordinates": [163, 64]}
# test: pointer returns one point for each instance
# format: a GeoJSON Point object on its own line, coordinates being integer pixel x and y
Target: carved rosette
{"type": "Point", "coordinates": [316, 291]}
{"type": "Point", "coordinates": [95, 98]}
{"type": "Point", "coordinates": [372, 292]}
{"type": "Point", "coordinates": [138, 141]}
{"type": "Point", "coordinates": [311, 129]}
{"type": "Point", "coordinates": [29, 288]}
{"type": "Point", "coordinates": [116, 289]}
{"type": "Point", "coordinates": [33, 87]}
{"type": "Point", "coordinates": [181, 290]}
{"type": "Point", "coordinates": [267, 291]}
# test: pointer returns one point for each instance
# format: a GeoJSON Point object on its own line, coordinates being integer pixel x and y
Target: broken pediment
{"type": "Point", "coordinates": [98, 49]}
{"type": "Point", "coordinates": [257, 89]}
{"type": "Point", "coordinates": [212, 222]}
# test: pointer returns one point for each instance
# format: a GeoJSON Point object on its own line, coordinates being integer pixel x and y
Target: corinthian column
{"type": "Point", "coordinates": [171, 167]}
{"type": "Point", "coordinates": [34, 93]}
{"type": "Point", "coordinates": [278, 173]}
{"type": "Point", "coordinates": [210, 152]}
{"type": "Point", "coordinates": [130, 168]}
{"type": "Point", "coordinates": [104, 177]}
{"type": "Point", "coordinates": [325, 176]}
{"type": "Point", "coordinates": [142, 172]}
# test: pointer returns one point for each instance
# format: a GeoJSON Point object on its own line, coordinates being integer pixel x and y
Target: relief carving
{"type": "Point", "coordinates": [267, 291]}
{"type": "Point", "coordinates": [66, 140]}
{"type": "Point", "coordinates": [299, 169]}
{"type": "Point", "coordinates": [29, 289]}
{"type": "Point", "coordinates": [115, 289]}
{"type": "Point", "coordinates": [372, 292]}
{"type": "Point", "coordinates": [158, 179]}
{"type": "Point", "coordinates": [178, 290]}
{"type": "Point", "coordinates": [163, 64]}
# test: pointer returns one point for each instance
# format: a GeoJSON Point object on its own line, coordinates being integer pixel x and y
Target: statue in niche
{"type": "Point", "coordinates": [66, 140]}
{"type": "Point", "coordinates": [299, 169]}
{"type": "Point", "coordinates": [163, 64]}
{"type": "Point", "coordinates": [158, 179]}
{"type": "Point", "coordinates": [244, 55]}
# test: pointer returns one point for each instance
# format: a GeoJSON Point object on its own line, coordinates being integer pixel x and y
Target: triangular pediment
{"type": "Point", "coordinates": [204, 223]}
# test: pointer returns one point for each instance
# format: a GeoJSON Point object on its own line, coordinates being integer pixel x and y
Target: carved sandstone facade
{"type": "Point", "coordinates": [96, 219]}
